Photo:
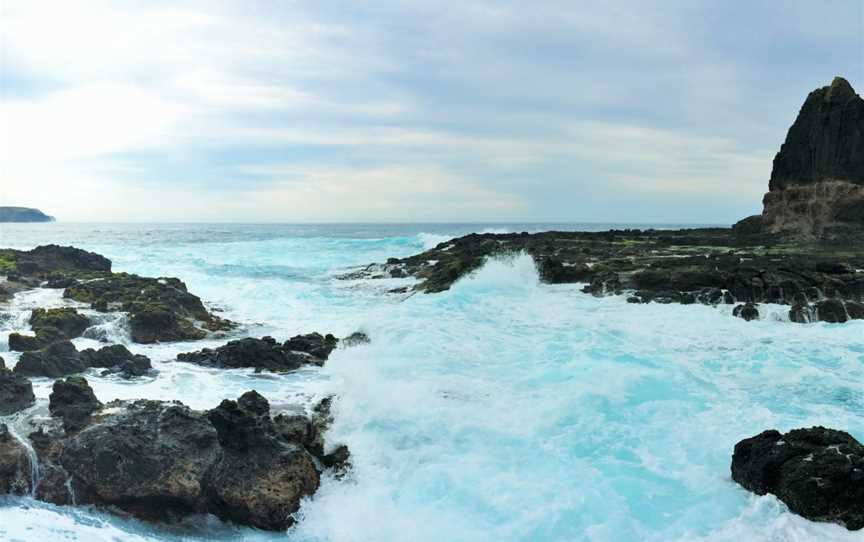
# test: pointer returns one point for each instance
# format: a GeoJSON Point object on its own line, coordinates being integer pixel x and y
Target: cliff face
{"type": "Point", "coordinates": [23, 214]}
{"type": "Point", "coordinates": [817, 182]}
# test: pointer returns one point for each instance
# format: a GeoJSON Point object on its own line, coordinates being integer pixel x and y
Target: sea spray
{"type": "Point", "coordinates": [502, 409]}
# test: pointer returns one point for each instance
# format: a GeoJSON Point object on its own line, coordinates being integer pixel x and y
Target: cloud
{"type": "Point", "coordinates": [482, 110]}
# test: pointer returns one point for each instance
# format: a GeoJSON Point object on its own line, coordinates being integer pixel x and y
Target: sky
{"type": "Point", "coordinates": [396, 111]}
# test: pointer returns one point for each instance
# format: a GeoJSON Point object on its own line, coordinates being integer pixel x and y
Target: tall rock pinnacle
{"type": "Point", "coordinates": [816, 189]}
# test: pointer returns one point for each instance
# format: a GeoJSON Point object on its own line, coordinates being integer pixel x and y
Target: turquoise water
{"type": "Point", "coordinates": [503, 409]}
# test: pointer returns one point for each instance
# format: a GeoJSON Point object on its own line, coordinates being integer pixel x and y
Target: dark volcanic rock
{"type": "Point", "coordinates": [117, 359]}
{"type": "Point", "coordinates": [315, 344]}
{"type": "Point", "coordinates": [49, 326]}
{"type": "Point", "coordinates": [73, 400]}
{"type": "Point", "coordinates": [65, 320]}
{"type": "Point", "coordinates": [16, 392]}
{"type": "Point", "coordinates": [159, 309]}
{"type": "Point", "coordinates": [747, 311]}
{"type": "Point", "coordinates": [817, 472]}
{"type": "Point", "coordinates": [47, 259]}
{"type": "Point", "coordinates": [162, 460]}
{"type": "Point", "coordinates": [831, 310]}
{"type": "Point", "coordinates": [266, 353]}
{"type": "Point", "coordinates": [14, 465]}
{"type": "Point", "coordinates": [54, 361]}
{"type": "Point", "coordinates": [817, 182]}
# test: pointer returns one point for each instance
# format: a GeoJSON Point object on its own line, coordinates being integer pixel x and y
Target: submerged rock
{"type": "Point", "coordinates": [63, 359]}
{"type": "Point", "coordinates": [117, 359]}
{"type": "Point", "coordinates": [747, 311]}
{"type": "Point", "coordinates": [55, 360]}
{"type": "Point", "coordinates": [817, 472]}
{"type": "Point", "coordinates": [161, 460]}
{"type": "Point", "coordinates": [265, 353]}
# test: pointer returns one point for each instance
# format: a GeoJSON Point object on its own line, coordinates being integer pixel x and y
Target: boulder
{"type": "Point", "coordinates": [16, 392]}
{"type": "Point", "coordinates": [831, 310]}
{"type": "Point", "coordinates": [314, 344]}
{"type": "Point", "coordinates": [817, 472]}
{"type": "Point", "coordinates": [73, 400]}
{"type": "Point", "coordinates": [117, 359]}
{"type": "Point", "coordinates": [14, 464]}
{"type": "Point", "coordinates": [161, 460]}
{"type": "Point", "coordinates": [266, 353]}
{"type": "Point", "coordinates": [748, 311]}
{"type": "Point", "coordinates": [49, 326]}
{"type": "Point", "coordinates": [54, 361]}
{"type": "Point", "coordinates": [160, 309]}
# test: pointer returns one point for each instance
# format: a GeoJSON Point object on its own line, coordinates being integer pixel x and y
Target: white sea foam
{"type": "Point", "coordinates": [502, 409]}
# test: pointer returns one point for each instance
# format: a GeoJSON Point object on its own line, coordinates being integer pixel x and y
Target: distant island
{"type": "Point", "coordinates": [23, 214]}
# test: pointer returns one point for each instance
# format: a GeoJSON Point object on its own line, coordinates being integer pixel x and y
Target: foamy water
{"type": "Point", "coordinates": [503, 409]}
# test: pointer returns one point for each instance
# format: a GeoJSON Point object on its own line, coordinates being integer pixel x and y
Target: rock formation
{"type": "Point", "coordinates": [160, 460]}
{"type": "Point", "coordinates": [265, 353]}
{"type": "Point", "coordinates": [816, 191]}
{"type": "Point", "coordinates": [817, 472]}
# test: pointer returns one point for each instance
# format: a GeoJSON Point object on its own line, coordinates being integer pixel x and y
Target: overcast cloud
{"type": "Point", "coordinates": [626, 111]}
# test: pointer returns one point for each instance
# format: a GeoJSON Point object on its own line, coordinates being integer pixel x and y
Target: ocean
{"type": "Point", "coordinates": [501, 410]}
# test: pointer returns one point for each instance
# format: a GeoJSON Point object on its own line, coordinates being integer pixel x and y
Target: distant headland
{"type": "Point", "coordinates": [23, 214]}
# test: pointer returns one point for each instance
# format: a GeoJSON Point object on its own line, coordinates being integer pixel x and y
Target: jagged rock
{"type": "Point", "coordinates": [817, 472]}
{"type": "Point", "coordinates": [54, 361]}
{"type": "Point", "coordinates": [49, 326]}
{"type": "Point", "coordinates": [161, 460]}
{"type": "Point", "coordinates": [14, 465]}
{"type": "Point", "coordinates": [556, 272]}
{"type": "Point", "coordinates": [355, 339]}
{"type": "Point", "coordinates": [73, 400]}
{"type": "Point", "coordinates": [817, 182]}
{"type": "Point", "coordinates": [266, 353]}
{"type": "Point", "coordinates": [117, 359]}
{"type": "Point", "coordinates": [747, 311]}
{"type": "Point", "coordinates": [315, 344]}
{"type": "Point", "coordinates": [831, 310]}
{"type": "Point", "coordinates": [801, 313]}
{"type": "Point", "coordinates": [159, 309]}
{"type": "Point", "coordinates": [65, 320]}
{"type": "Point", "coordinates": [16, 392]}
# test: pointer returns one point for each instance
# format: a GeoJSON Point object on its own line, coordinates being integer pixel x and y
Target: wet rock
{"type": "Point", "coordinates": [355, 339]}
{"type": "Point", "coordinates": [555, 271]}
{"type": "Point", "coordinates": [54, 361]}
{"type": "Point", "coordinates": [801, 313]}
{"type": "Point", "coordinates": [49, 326]}
{"type": "Point", "coordinates": [161, 460]}
{"type": "Point", "coordinates": [16, 392]}
{"type": "Point", "coordinates": [314, 344]}
{"type": "Point", "coordinates": [160, 309]}
{"type": "Point", "coordinates": [266, 353]}
{"type": "Point", "coordinates": [747, 311]}
{"type": "Point", "coordinates": [831, 310]}
{"type": "Point", "coordinates": [73, 400]}
{"type": "Point", "coordinates": [817, 472]}
{"type": "Point", "coordinates": [117, 359]}
{"type": "Point", "coordinates": [14, 464]}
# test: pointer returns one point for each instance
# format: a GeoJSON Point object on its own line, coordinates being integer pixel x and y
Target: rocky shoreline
{"type": "Point", "coordinates": [155, 460]}
{"type": "Point", "coordinates": [708, 266]}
